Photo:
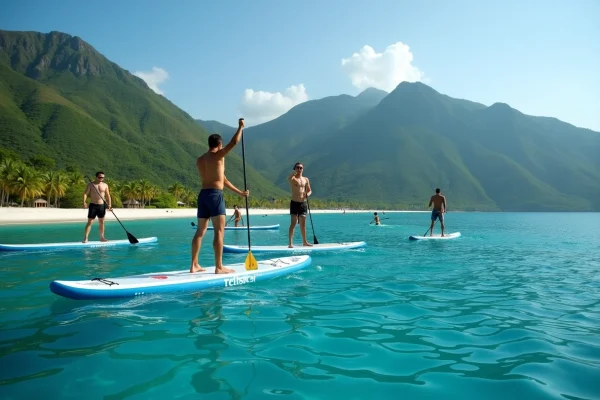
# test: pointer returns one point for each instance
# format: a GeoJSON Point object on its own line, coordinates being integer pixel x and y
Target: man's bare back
{"type": "Point", "coordinates": [439, 202]}
{"type": "Point", "coordinates": [211, 167]}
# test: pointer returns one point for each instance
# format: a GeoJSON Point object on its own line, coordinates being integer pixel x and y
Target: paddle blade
{"type": "Point", "coordinates": [132, 239]}
{"type": "Point", "coordinates": [251, 263]}
{"type": "Point", "coordinates": [315, 241]}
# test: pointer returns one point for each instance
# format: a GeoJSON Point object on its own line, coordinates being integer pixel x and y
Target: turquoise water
{"type": "Point", "coordinates": [509, 310]}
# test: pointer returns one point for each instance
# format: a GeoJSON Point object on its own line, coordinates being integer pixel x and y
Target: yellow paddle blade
{"type": "Point", "coordinates": [251, 262]}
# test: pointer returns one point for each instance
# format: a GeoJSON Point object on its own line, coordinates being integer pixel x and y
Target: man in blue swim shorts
{"type": "Point", "coordinates": [439, 208]}
{"type": "Point", "coordinates": [211, 204]}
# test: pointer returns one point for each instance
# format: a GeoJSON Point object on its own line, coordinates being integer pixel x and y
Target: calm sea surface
{"type": "Point", "coordinates": [510, 310]}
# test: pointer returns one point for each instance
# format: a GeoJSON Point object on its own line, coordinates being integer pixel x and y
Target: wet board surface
{"type": "Point", "coordinates": [447, 236]}
{"type": "Point", "coordinates": [74, 245]}
{"type": "Point", "coordinates": [296, 249]}
{"type": "Point", "coordinates": [181, 280]}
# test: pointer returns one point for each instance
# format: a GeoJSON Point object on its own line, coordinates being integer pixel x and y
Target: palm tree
{"type": "Point", "coordinates": [76, 178]}
{"type": "Point", "coordinates": [7, 169]}
{"type": "Point", "coordinates": [61, 184]}
{"type": "Point", "coordinates": [130, 190]}
{"type": "Point", "coordinates": [176, 189]}
{"type": "Point", "coordinates": [27, 183]}
{"type": "Point", "coordinates": [188, 196]}
{"type": "Point", "coordinates": [144, 188]}
{"type": "Point", "coordinates": [153, 192]}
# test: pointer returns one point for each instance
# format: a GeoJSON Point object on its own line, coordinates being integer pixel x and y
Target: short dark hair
{"type": "Point", "coordinates": [98, 173]}
{"type": "Point", "coordinates": [437, 190]}
{"type": "Point", "coordinates": [374, 213]}
{"type": "Point", "coordinates": [298, 163]}
{"type": "Point", "coordinates": [214, 140]}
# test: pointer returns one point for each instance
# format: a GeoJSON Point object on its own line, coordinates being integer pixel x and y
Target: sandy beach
{"type": "Point", "coordinates": [28, 215]}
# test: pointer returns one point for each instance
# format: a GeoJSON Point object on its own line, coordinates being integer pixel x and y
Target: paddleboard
{"type": "Point", "coordinates": [183, 280]}
{"type": "Point", "coordinates": [437, 237]}
{"type": "Point", "coordinates": [72, 245]}
{"type": "Point", "coordinates": [244, 228]}
{"type": "Point", "coordinates": [296, 249]}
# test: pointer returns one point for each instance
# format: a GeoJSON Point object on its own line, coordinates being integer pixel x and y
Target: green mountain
{"type": "Point", "coordinates": [482, 157]}
{"type": "Point", "coordinates": [61, 98]}
{"type": "Point", "coordinates": [399, 149]}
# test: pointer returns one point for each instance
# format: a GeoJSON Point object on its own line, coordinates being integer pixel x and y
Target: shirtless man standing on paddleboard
{"type": "Point", "coordinates": [211, 204]}
{"type": "Point", "coordinates": [300, 186]}
{"type": "Point", "coordinates": [439, 208]}
{"type": "Point", "coordinates": [97, 207]}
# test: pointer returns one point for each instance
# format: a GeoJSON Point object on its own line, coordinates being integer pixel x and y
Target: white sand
{"type": "Point", "coordinates": [27, 215]}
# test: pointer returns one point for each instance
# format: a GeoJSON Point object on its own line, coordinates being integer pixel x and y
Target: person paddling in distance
{"type": "Point", "coordinates": [300, 186]}
{"type": "Point", "coordinates": [439, 208]}
{"type": "Point", "coordinates": [237, 216]}
{"type": "Point", "coordinates": [97, 207]}
{"type": "Point", "coordinates": [211, 203]}
{"type": "Point", "coordinates": [376, 219]}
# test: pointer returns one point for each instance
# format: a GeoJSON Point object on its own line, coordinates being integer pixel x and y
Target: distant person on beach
{"type": "Point", "coordinates": [376, 219]}
{"type": "Point", "coordinates": [237, 216]}
{"type": "Point", "coordinates": [211, 204]}
{"type": "Point", "coordinates": [300, 186]}
{"type": "Point", "coordinates": [96, 191]}
{"type": "Point", "coordinates": [439, 208]}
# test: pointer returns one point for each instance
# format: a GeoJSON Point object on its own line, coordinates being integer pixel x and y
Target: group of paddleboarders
{"type": "Point", "coordinates": [211, 203]}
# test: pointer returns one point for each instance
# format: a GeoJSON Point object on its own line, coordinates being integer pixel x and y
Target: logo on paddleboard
{"type": "Point", "coordinates": [240, 280]}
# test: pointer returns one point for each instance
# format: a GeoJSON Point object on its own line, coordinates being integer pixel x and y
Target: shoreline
{"type": "Point", "coordinates": [29, 216]}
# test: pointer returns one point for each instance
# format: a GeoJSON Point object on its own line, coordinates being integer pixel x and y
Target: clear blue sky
{"type": "Point", "coordinates": [540, 57]}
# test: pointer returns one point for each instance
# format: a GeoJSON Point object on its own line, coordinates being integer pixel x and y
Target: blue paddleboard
{"type": "Point", "coordinates": [172, 281]}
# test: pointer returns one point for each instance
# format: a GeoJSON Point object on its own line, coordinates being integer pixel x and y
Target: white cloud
{"type": "Point", "coordinates": [384, 70]}
{"type": "Point", "coordinates": [153, 78]}
{"type": "Point", "coordinates": [258, 106]}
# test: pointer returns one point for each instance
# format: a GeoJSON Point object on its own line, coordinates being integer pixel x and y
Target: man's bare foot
{"type": "Point", "coordinates": [223, 270]}
{"type": "Point", "coordinates": [103, 240]}
{"type": "Point", "coordinates": [306, 244]}
{"type": "Point", "coordinates": [85, 240]}
{"type": "Point", "coordinates": [196, 268]}
{"type": "Point", "coordinates": [291, 246]}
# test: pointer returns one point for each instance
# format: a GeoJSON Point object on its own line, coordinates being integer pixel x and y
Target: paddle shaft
{"type": "Point", "coordinates": [315, 241]}
{"type": "Point", "coordinates": [132, 239]}
{"type": "Point", "coordinates": [245, 188]}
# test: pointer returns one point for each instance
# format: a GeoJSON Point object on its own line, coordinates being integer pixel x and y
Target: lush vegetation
{"type": "Point", "coordinates": [61, 99]}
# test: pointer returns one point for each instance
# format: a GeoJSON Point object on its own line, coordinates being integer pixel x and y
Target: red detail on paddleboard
{"type": "Point", "coordinates": [160, 277]}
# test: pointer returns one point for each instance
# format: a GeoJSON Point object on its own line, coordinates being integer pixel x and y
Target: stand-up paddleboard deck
{"type": "Point", "coordinates": [437, 237]}
{"type": "Point", "coordinates": [183, 280]}
{"type": "Point", "coordinates": [243, 228]}
{"type": "Point", "coordinates": [296, 249]}
{"type": "Point", "coordinates": [73, 245]}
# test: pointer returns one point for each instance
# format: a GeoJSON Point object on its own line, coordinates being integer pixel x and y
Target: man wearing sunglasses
{"type": "Point", "coordinates": [300, 186]}
{"type": "Point", "coordinates": [97, 207]}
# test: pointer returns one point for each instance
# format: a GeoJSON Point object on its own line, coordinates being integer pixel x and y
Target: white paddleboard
{"type": "Point", "coordinates": [243, 228]}
{"type": "Point", "coordinates": [73, 245]}
{"type": "Point", "coordinates": [437, 237]}
{"type": "Point", "coordinates": [183, 280]}
{"type": "Point", "coordinates": [296, 249]}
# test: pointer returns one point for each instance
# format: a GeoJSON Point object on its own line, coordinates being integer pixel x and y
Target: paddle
{"type": "Point", "coordinates": [229, 220]}
{"type": "Point", "coordinates": [132, 239]}
{"type": "Point", "coordinates": [315, 241]}
{"type": "Point", "coordinates": [381, 219]}
{"type": "Point", "coordinates": [250, 263]}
